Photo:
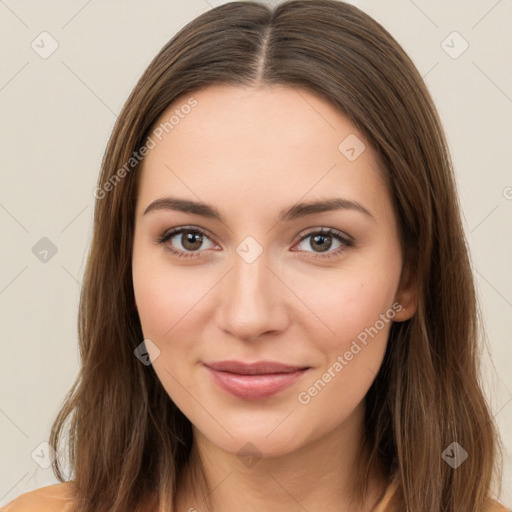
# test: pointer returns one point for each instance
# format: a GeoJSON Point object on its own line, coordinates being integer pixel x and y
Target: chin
{"type": "Point", "coordinates": [256, 442]}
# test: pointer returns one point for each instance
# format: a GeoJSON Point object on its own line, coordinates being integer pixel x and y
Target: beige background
{"type": "Point", "coordinates": [58, 113]}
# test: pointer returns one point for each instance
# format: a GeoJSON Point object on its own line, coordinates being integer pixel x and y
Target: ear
{"type": "Point", "coordinates": [406, 295]}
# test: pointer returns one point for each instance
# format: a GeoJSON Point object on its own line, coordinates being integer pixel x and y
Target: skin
{"type": "Point", "coordinates": [252, 152]}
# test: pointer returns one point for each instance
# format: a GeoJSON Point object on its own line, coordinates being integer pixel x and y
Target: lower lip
{"type": "Point", "coordinates": [254, 387]}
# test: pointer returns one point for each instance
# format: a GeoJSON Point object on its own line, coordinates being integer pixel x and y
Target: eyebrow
{"type": "Point", "coordinates": [288, 214]}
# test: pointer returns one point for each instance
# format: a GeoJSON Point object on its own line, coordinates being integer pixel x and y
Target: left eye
{"type": "Point", "coordinates": [323, 240]}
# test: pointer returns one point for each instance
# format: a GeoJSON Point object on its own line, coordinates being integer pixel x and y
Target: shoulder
{"type": "Point", "coordinates": [389, 503]}
{"type": "Point", "coordinates": [52, 498]}
{"type": "Point", "coordinates": [495, 506]}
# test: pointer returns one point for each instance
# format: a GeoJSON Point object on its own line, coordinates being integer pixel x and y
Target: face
{"type": "Point", "coordinates": [315, 288]}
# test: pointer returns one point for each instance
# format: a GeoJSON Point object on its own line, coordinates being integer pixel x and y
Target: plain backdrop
{"type": "Point", "coordinates": [57, 113]}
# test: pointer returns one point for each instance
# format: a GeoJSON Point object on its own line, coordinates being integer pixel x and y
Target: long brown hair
{"type": "Point", "coordinates": [127, 440]}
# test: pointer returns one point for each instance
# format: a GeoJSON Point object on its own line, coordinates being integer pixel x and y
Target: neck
{"type": "Point", "coordinates": [319, 476]}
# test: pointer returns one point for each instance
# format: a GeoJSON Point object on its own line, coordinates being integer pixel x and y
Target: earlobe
{"type": "Point", "coordinates": [409, 305]}
{"type": "Point", "coordinates": [407, 297]}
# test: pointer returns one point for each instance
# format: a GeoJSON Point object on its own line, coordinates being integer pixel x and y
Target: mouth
{"type": "Point", "coordinates": [254, 381]}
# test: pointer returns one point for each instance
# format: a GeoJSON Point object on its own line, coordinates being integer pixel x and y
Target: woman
{"type": "Point", "coordinates": [278, 311]}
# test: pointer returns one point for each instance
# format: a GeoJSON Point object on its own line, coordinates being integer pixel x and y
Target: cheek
{"type": "Point", "coordinates": [159, 309]}
{"type": "Point", "coordinates": [348, 304]}
{"type": "Point", "coordinates": [168, 302]}
{"type": "Point", "coordinates": [167, 297]}
{"type": "Point", "coordinates": [360, 314]}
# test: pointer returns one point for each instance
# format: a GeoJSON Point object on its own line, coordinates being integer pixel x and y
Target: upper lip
{"type": "Point", "coordinates": [257, 368]}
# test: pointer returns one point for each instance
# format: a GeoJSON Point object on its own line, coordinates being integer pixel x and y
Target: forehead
{"type": "Point", "coordinates": [253, 115]}
{"type": "Point", "coordinates": [258, 143]}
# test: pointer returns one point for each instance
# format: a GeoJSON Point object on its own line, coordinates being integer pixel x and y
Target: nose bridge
{"type": "Point", "coordinates": [250, 276]}
{"type": "Point", "coordinates": [248, 305]}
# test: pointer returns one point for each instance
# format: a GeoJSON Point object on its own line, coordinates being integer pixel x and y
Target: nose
{"type": "Point", "coordinates": [252, 300]}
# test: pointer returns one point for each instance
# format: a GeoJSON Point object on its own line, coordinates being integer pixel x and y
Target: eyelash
{"type": "Point", "coordinates": [168, 235]}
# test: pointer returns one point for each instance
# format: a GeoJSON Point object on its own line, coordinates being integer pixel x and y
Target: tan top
{"type": "Point", "coordinates": [58, 498]}
{"type": "Point", "coordinates": [388, 503]}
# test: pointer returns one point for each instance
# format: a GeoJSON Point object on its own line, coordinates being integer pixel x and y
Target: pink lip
{"type": "Point", "coordinates": [253, 381]}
